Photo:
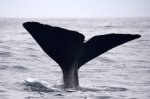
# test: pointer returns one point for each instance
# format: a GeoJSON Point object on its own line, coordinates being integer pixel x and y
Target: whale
{"type": "Point", "coordinates": [69, 49]}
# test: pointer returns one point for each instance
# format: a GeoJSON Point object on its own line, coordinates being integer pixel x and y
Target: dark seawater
{"type": "Point", "coordinates": [26, 72]}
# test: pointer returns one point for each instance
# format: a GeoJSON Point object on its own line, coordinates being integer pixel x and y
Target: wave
{"type": "Point", "coordinates": [5, 54]}
{"type": "Point", "coordinates": [20, 68]}
{"type": "Point", "coordinates": [36, 85]}
{"type": "Point", "coordinates": [1, 91]}
{"type": "Point", "coordinates": [3, 67]}
{"type": "Point", "coordinates": [1, 42]}
{"type": "Point", "coordinates": [105, 60]}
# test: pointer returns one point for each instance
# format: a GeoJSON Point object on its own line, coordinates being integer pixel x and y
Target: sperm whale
{"type": "Point", "coordinates": [68, 49]}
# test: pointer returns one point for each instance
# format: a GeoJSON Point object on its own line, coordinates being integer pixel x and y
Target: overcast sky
{"type": "Point", "coordinates": [74, 8]}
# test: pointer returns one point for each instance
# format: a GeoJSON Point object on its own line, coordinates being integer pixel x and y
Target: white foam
{"type": "Point", "coordinates": [40, 85]}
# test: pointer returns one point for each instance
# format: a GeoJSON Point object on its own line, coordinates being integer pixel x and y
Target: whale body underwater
{"type": "Point", "coordinates": [68, 49]}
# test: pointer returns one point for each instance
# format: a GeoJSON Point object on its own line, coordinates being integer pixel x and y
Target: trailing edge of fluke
{"type": "Point", "coordinates": [68, 49]}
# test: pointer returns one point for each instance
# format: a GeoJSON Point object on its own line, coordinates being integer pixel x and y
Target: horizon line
{"type": "Point", "coordinates": [82, 17]}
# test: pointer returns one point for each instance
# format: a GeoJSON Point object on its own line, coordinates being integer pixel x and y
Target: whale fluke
{"type": "Point", "coordinates": [68, 49]}
{"type": "Point", "coordinates": [98, 45]}
{"type": "Point", "coordinates": [60, 44]}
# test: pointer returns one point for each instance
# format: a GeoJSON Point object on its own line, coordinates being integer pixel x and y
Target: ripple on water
{"type": "Point", "coordinates": [102, 97]}
{"type": "Point", "coordinates": [5, 54]}
{"type": "Point", "coordinates": [111, 89]}
{"type": "Point", "coordinates": [23, 33]}
{"type": "Point", "coordinates": [21, 68]}
{"type": "Point", "coordinates": [5, 46]}
{"type": "Point", "coordinates": [1, 91]}
{"type": "Point", "coordinates": [3, 67]}
{"type": "Point", "coordinates": [115, 89]}
{"type": "Point", "coordinates": [4, 97]}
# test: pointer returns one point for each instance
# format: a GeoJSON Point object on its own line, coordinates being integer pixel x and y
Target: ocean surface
{"type": "Point", "coordinates": [26, 72]}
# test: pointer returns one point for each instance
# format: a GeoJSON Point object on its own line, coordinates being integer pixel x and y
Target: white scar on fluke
{"type": "Point", "coordinates": [68, 49]}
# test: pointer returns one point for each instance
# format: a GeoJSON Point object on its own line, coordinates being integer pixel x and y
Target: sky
{"type": "Point", "coordinates": [74, 8]}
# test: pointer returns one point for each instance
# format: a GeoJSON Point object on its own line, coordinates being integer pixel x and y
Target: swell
{"type": "Point", "coordinates": [20, 68]}
{"type": "Point", "coordinates": [5, 54]}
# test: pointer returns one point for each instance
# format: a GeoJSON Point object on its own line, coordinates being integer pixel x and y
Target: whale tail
{"type": "Point", "coordinates": [68, 49]}
{"type": "Point", "coordinates": [100, 44]}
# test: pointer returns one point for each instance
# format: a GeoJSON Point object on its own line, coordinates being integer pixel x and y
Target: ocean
{"type": "Point", "coordinates": [26, 72]}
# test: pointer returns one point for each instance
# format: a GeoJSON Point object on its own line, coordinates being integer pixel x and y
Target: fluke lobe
{"type": "Point", "coordinates": [68, 49]}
